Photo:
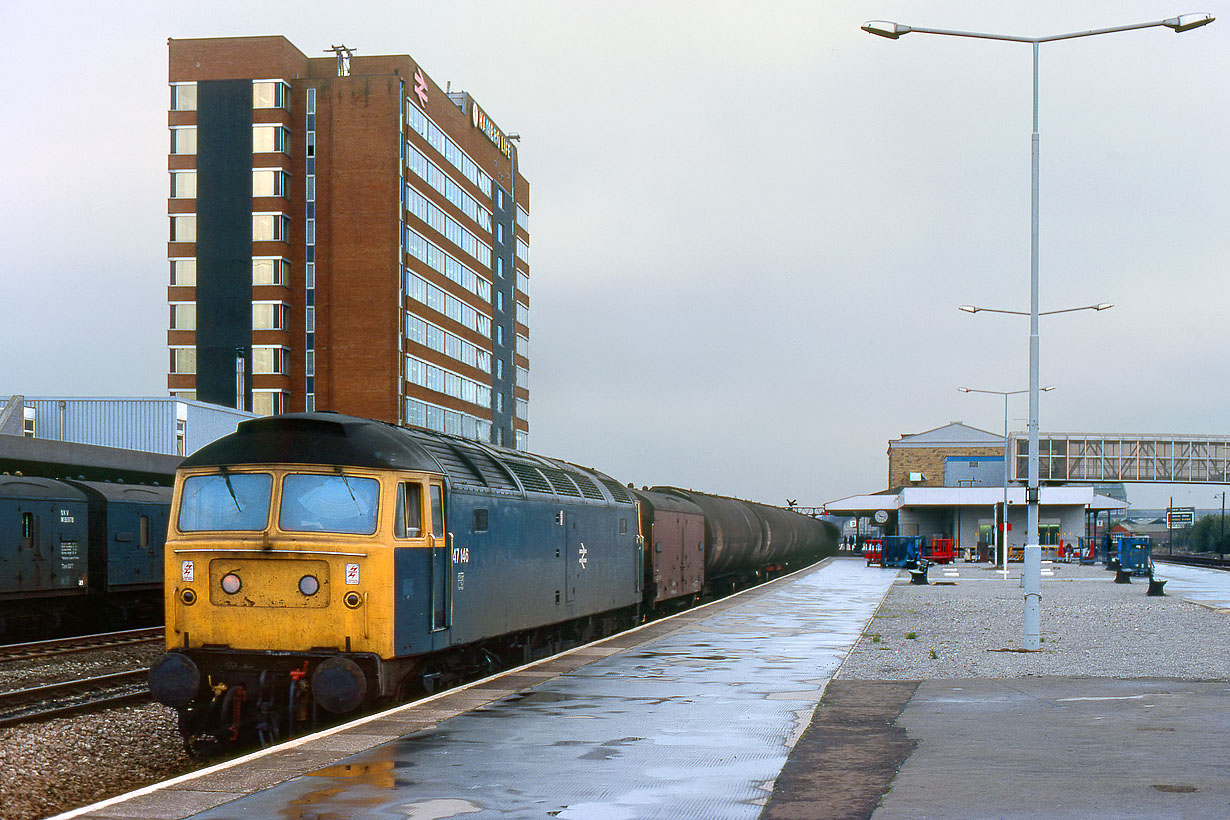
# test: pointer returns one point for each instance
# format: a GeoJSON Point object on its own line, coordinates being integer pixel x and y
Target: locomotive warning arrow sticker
{"type": "Point", "coordinates": [581, 553]}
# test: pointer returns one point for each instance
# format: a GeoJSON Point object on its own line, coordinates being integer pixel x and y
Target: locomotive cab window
{"type": "Point", "coordinates": [409, 521]}
{"type": "Point", "coordinates": [329, 503]}
{"type": "Point", "coordinates": [437, 510]}
{"type": "Point", "coordinates": [225, 502]}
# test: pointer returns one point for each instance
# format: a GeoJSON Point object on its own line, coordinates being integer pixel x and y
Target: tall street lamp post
{"type": "Point", "coordinates": [1003, 524]}
{"type": "Point", "coordinates": [1033, 551]}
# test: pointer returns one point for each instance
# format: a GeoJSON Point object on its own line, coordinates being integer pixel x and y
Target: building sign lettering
{"type": "Point", "coordinates": [485, 124]}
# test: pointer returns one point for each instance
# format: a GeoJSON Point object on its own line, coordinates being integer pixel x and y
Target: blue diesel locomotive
{"type": "Point", "coordinates": [322, 561]}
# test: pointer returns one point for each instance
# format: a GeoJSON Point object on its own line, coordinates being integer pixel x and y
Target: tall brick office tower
{"type": "Point", "coordinates": [345, 235]}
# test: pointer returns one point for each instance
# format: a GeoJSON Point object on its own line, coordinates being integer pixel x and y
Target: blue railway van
{"type": "Point", "coordinates": [43, 550]}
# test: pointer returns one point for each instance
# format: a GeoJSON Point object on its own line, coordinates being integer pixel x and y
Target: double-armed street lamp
{"type": "Point", "coordinates": [1003, 524]}
{"type": "Point", "coordinates": [978, 309]}
{"type": "Point", "coordinates": [1033, 551]}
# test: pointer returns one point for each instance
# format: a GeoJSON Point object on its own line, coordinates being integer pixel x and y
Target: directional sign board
{"type": "Point", "coordinates": [1178, 517]}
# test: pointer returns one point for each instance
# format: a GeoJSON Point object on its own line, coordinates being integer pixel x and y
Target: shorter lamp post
{"type": "Point", "coordinates": [1221, 539]}
{"type": "Point", "coordinates": [1002, 547]}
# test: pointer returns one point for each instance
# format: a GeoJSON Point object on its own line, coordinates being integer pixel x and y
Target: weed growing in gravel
{"type": "Point", "coordinates": [911, 636]}
{"type": "Point", "coordinates": [933, 655]}
{"type": "Point", "coordinates": [875, 638]}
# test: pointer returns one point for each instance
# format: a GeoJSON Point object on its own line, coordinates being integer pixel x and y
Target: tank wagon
{"type": "Point", "coordinates": [320, 561]}
{"type": "Point", "coordinates": [79, 554]}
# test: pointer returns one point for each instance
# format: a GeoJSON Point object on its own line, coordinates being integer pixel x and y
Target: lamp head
{"type": "Point", "coordinates": [967, 308]}
{"type": "Point", "coordinates": [1103, 306]}
{"type": "Point", "coordinates": [1185, 22]}
{"type": "Point", "coordinates": [885, 28]}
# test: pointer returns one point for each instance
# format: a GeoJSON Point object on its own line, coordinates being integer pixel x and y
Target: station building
{"type": "Point", "coordinates": [950, 482]}
{"type": "Point", "coordinates": [345, 235]}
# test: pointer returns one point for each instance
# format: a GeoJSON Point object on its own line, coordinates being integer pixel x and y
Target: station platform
{"type": "Point", "coordinates": [784, 703]}
{"type": "Point", "coordinates": [688, 717]}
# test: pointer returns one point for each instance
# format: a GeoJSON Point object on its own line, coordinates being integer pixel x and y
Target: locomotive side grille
{"type": "Point", "coordinates": [560, 481]}
{"type": "Point", "coordinates": [492, 472]}
{"type": "Point", "coordinates": [457, 468]}
{"type": "Point", "coordinates": [588, 488]}
{"type": "Point", "coordinates": [618, 491]}
{"type": "Point", "coordinates": [529, 476]}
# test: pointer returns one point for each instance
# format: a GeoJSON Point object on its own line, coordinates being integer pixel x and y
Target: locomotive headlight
{"type": "Point", "coordinates": [352, 600]}
{"type": "Point", "coordinates": [308, 585]}
{"type": "Point", "coordinates": [188, 597]}
{"type": "Point", "coordinates": [231, 583]}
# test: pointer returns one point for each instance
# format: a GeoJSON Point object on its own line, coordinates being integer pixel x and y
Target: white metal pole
{"type": "Point", "coordinates": [1032, 577]}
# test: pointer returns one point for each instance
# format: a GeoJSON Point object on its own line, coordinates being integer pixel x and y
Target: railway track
{"type": "Point", "coordinates": [71, 697]}
{"type": "Point", "coordinates": [1195, 561]}
{"type": "Point", "coordinates": [81, 643]}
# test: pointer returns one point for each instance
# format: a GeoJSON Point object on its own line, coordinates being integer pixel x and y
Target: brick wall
{"type": "Point", "coordinates": [929, 461]}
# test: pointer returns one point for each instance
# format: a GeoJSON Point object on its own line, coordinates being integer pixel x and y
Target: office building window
{"type": "Point", "coordinates": [183, 140]}
{"type": "Point", "coordinates": [183, 272]}
{"type": "Point", "coordinates": [183, 316]}
{"type": "Point", "coordinates": [268, 139]}
{"type": "Point", "coordinates": [183, 360]}
{"type": "Point", "coordinates": [270, 228]}
{"type": "Point", "coordinates": [183, 228]}
{"type": "Point", "coordinates": [269, 271]}
{"type": "Point", "coordinates": [183, 97]}
{"type": "Point", "coordinates": [274, 94]}
{"type": "Point", "coordinates": [268, 182]}
{"type": "Point", "coordinates": [183, 184]}
{"type": "Point", "coordinates": [268, 360]}
{"type": "Point", "coordinates": [268, 316]}
{"type": "Point", "coordinates": [266, 403]}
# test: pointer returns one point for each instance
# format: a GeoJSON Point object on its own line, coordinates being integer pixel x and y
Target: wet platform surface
{"type": "Point", "coordinates": [1064, 748]}
{"type": "Point", "coordinates": [688, 718]}
{"type": "Point", "coordinates": [1209, 587]}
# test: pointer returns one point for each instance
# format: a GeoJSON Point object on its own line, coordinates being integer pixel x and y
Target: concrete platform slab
{"type": "Point", "coordinates": [1065, 748]}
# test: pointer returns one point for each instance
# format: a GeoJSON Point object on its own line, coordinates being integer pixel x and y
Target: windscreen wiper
{"type": "Point", "coordinates": [227, 478]}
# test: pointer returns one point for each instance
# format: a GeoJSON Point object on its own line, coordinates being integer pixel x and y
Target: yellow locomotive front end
{"type": "Point", "coordinates": [277, 558]}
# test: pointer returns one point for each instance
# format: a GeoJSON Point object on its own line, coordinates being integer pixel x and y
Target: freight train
{"type": "Point", "coordinates": [316, 561]}
{"type": "Point", "coordinates": [79, 556]}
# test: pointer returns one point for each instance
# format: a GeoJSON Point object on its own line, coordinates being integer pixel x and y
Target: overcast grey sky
{"type": "Point", "coordinates": [751, 222]}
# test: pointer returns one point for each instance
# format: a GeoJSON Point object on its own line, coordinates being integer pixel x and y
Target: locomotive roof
{"type": "Point", "coordinates": [315, 438]}
{"type": "Point", "coordinates": [334, 439]}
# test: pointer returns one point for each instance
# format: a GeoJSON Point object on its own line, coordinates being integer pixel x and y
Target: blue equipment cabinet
{"type": "Point", "coordinates": [1136, 554]}
{"type": "Point", "coordinates": [901, 550]}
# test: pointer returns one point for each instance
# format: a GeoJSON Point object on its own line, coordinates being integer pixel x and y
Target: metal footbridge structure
{"type": "Point", "coordinates": [1094, 457]}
